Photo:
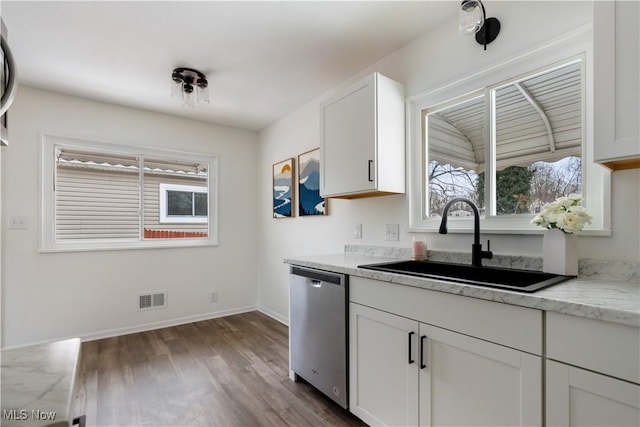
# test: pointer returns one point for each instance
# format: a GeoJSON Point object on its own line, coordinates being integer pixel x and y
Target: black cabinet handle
{"type": "Point", "coordinates": [369, 171]}
{"type": "Point", "coordinates": [422, 364]}
{"type": "Point", "coordinates": [80, 421]}
{"type": "Point", "coordinates": [410, 359]}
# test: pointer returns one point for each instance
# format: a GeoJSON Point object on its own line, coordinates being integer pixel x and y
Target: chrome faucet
{"type": "Point", "coordinates": [476, 248]}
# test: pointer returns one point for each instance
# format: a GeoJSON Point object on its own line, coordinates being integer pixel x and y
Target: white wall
{"type": "Point", "coordinates": [49, 296]}
{"type": "Point", "coordinates": [439, 57]}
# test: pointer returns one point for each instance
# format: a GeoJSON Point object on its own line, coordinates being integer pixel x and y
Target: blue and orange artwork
{"type": "Point", "coordinates": [309, 200]}
{"type": "Point", "coordinates": [283, 189]}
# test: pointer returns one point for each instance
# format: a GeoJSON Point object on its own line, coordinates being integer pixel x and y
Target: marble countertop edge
{"type": "Point", "coordinates": [40, 378]}
{"type": "Point", "coordinates": [609, 300]}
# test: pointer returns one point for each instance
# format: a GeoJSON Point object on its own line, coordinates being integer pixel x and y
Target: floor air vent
{"type": "Point", "coordinates": [152, 300]}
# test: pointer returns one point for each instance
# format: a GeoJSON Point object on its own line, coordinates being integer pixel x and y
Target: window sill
{"type": "Point", "coordinates": [132, 245]}
{"type": "Point", "coordinates": [468, 229]}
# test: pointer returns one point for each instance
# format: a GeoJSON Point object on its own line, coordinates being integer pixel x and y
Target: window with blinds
{"type": "Point", "coordinates": [113, 196]}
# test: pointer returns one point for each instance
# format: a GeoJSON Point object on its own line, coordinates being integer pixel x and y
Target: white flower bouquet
{"type": "Point", "coordinates": [565, 213]}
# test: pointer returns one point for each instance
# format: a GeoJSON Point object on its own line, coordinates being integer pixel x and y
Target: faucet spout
{"type": "Point", "coordinates": [476, 248]}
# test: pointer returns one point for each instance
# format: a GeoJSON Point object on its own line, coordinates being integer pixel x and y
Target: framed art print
{"type": "Point", "coordinates": [309, 200]}
{"type": "Point", "coordinates": [283, 173]}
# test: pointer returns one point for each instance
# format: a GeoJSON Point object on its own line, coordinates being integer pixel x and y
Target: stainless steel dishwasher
{"type": "Point", "coordinates": [318, 330]}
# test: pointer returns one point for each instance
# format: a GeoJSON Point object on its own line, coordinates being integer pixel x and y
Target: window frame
{"type": "Point", "coordinates": [596, 179]}
{"type": "Point", "coordinates": [48, 242]}
{"type": "Point", "coordinates": [165, 218]}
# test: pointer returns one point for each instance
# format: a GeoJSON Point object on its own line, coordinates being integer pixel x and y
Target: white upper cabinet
{"type": "Point", "coordinates": [362, 140]}
{"type": "Point", "coordinates": [616, 50]}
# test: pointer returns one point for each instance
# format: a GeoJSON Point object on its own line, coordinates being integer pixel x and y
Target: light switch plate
{"type": "Point", "coordinates": [392, 232]}
{"type": "Point", "coordinates": [18, 222]}
{"type": "Point", "coordinates": [357, 231]}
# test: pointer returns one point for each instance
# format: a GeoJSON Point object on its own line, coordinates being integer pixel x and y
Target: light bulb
{"type": "Point", "coordinates": [187, 100]}
{"type": "Point", "coordinates": [470, 18]}
{"type": "Point", "coordinates": [202, 92]}
{"type": "Point", "coordinates": [176, 89]}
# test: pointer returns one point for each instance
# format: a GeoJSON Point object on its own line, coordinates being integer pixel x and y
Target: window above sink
{"type": "Point", "coordinates": [501, 135]}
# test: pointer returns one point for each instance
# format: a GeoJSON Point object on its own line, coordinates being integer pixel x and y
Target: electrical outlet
{"type": "Point", "coordinates": [392, 232]}
{"type": "Point", "coordinates": [357, 231]}
{"type": "Point", "coordinates": [214, 297]}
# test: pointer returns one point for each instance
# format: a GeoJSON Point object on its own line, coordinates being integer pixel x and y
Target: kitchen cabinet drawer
{"type": "Point", "coordinates": [508, 325]}
{"type": "Point", "coordinates": [609, 348]}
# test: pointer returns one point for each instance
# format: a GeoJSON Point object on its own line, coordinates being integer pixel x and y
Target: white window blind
{"type": "Point", "coordinates": [96, 197]}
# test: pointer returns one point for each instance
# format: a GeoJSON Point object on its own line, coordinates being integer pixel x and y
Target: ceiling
{"type": "Point", "coordinates": [262, 59]}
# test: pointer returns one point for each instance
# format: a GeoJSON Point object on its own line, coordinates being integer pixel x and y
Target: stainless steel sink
{"type": "Point", "coordinates": [493, 277]}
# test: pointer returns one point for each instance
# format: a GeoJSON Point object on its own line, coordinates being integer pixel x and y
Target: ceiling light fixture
{"type": "Point", "coordinates": [184, 80]}
{"type": "Point", "coordinates": [473, 20]}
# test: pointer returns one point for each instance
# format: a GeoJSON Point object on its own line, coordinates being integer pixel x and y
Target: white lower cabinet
{"type": "Point", "coordinates": [465, 381]}
{"type": "Point", "coordinates": [577, 397]}
{"type": "Point", "coordinates": [420, 357]}
{"type": "Point", "coordinates": [383, 385]}
{"type": "Point", "coordinates": [403, 372]}
{"type": "Point", "coordinates": [592, 372]}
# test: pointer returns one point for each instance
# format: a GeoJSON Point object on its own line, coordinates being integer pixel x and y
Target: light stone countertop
{"type": "Point", "coordinates": [38, 383]}
{"type": "Point", "coordinates": [612, 300]}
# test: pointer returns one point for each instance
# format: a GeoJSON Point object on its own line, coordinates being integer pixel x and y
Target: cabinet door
{"type": "Point", "coordinates": [576, 397]}
{"type": "Point", "coordinates": [616, 89]}
{"type": "Point", "coordinates": [348, 138]}
{"type": "Point", "coordinates": [471, 382]}
{"type": "Point", "coordinates": [383, 376]}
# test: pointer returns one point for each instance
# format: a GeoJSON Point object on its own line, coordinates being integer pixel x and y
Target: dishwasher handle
{"type": "Point", "coordinates": [319, 276]}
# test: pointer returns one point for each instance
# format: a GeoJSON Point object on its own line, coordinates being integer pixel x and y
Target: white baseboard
{"type": "Point", "coordinates": [165, 323]}
{"type": "Point", "coordinates": [276, 316]}
{"type": "Point", "coordinates": [109, 333]}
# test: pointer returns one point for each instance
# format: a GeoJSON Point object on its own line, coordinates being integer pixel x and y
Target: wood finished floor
{"type": "Point", "coordinates": [231, 371]}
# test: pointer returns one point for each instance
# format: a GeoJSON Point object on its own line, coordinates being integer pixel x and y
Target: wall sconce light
{"type": "Point", "coordinates": [473, 20]}
{"type": "Point", "coordinates": [183, 83]}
